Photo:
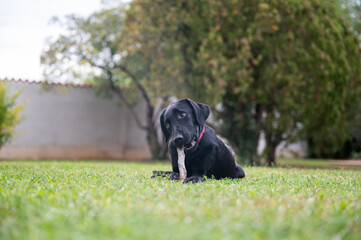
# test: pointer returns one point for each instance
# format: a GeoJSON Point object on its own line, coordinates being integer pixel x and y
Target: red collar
{"type": "Point", "coordinates": [200, 136]}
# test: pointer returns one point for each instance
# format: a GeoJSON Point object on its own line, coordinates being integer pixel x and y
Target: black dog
{"type": "Point", "coordinates": [183, 124]}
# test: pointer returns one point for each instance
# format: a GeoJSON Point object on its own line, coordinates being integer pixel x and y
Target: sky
{"type": "Point", "coordinates": [24, 28]}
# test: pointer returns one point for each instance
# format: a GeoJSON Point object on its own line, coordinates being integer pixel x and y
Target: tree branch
{"type": "Point", "coordinates": [145, 94]}
{"type": "Point", "coordinates": [118, 92]}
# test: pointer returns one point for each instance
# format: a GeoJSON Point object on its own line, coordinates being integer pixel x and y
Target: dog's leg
{"type": "Point", "coordinates": [194, 179]}
{"type": "Point", "coordinates": [161, 174]}
{"type": "Point", "coordinates": [200, 167]}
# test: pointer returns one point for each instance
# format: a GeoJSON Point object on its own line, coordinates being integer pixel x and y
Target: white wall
{"type": "Point", "coordinates": [70, 122]}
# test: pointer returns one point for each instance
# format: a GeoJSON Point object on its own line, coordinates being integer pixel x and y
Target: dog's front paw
{"type": "Point", "coordinates": [174, 176]}
{"type": "Point", "coordinates": [194, 179]}
{"type": "Point", "coordinates": [161, 174]}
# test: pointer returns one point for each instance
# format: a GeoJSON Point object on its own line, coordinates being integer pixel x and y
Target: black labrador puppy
{"type": "Point", "coordinates": [183, 124]}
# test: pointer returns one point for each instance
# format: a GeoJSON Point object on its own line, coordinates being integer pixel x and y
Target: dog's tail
{"type": "Point", "coordinates": [161, 174]}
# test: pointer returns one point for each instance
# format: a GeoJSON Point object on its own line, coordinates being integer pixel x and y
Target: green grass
{"type": "Point", "coordinates": [112, 200]}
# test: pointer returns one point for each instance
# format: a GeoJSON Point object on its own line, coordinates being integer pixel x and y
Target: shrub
{"type": "Point", "coordinates": [9, 113]}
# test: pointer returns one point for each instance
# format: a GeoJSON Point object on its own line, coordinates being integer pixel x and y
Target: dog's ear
{"type": "Point", "coordinates": [162, 124]}
{"type": "Point", "coordinates": [201, 111]}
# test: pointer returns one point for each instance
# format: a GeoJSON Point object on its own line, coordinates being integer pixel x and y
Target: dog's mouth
{"type": "Point", "coordinates": [190, 145]}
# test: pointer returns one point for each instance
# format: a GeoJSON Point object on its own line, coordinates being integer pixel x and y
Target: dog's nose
{"type": "Point", "coordinates": [178, 139]}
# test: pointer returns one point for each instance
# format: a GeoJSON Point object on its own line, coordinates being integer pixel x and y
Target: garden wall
{"type": "Point", "coordinates": [70, 122]}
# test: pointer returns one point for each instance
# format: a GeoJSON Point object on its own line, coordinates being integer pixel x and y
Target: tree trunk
{"type": "Point", "coordinates": [250, 136]}
{"type": "Point", "coordinates": [156, 143]}
{"type": "Point", "coordinates": [255, 161]}
{"type": "Point", "coordinates": [272, 141]}
{"type": "Point", "coordinates": [271, 156]}
{"type": "Point", "coordinates": [240, 129]}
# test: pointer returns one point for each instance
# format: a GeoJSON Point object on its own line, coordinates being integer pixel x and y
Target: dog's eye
{"type": "Point", "coordinates": [181, 115]}
{"type": "Point", "coordinates": [167, 125]}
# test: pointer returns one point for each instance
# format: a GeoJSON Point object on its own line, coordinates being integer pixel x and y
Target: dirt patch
{"type": "Point", "coordinates": [346, 162]}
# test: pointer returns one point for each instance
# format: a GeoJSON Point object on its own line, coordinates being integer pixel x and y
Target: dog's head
{"type": "Point", "coordinates": [182, 122]}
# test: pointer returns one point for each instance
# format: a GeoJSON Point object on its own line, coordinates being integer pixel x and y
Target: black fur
{"type": "Point", "coordinates": [182, 121]}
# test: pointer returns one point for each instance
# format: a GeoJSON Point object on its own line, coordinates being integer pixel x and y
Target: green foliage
{"type": "Point", "coordinates": [9, 113]}
{"type": "Point", "coordinates": [288, 68]}
{"type": "Point", "coordinates": [87, 50]}
{"type": "Point", "coordinates": [82, 200]}
{"type": "Point", "coordinates": [352, 10]}
{"type": "Point", "coordinates": [96, 49]}
{"type": "Point", "coordinates": [102, 50]}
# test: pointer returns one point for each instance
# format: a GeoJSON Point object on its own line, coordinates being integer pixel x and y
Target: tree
{"type": "Point", "coordinates": [303, 71]}
{"type": "Point", "coordinates": [289, 69]}
{"type": "Point", "coordinates": [352, 10]}
{"type": "Point", "coordinates": [96, 49]}
{"type": "Point", "coordinates": [9, 114]}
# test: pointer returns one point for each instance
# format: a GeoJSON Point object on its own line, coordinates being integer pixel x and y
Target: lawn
{"type": "Point", "coordinates": [116, 200]}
